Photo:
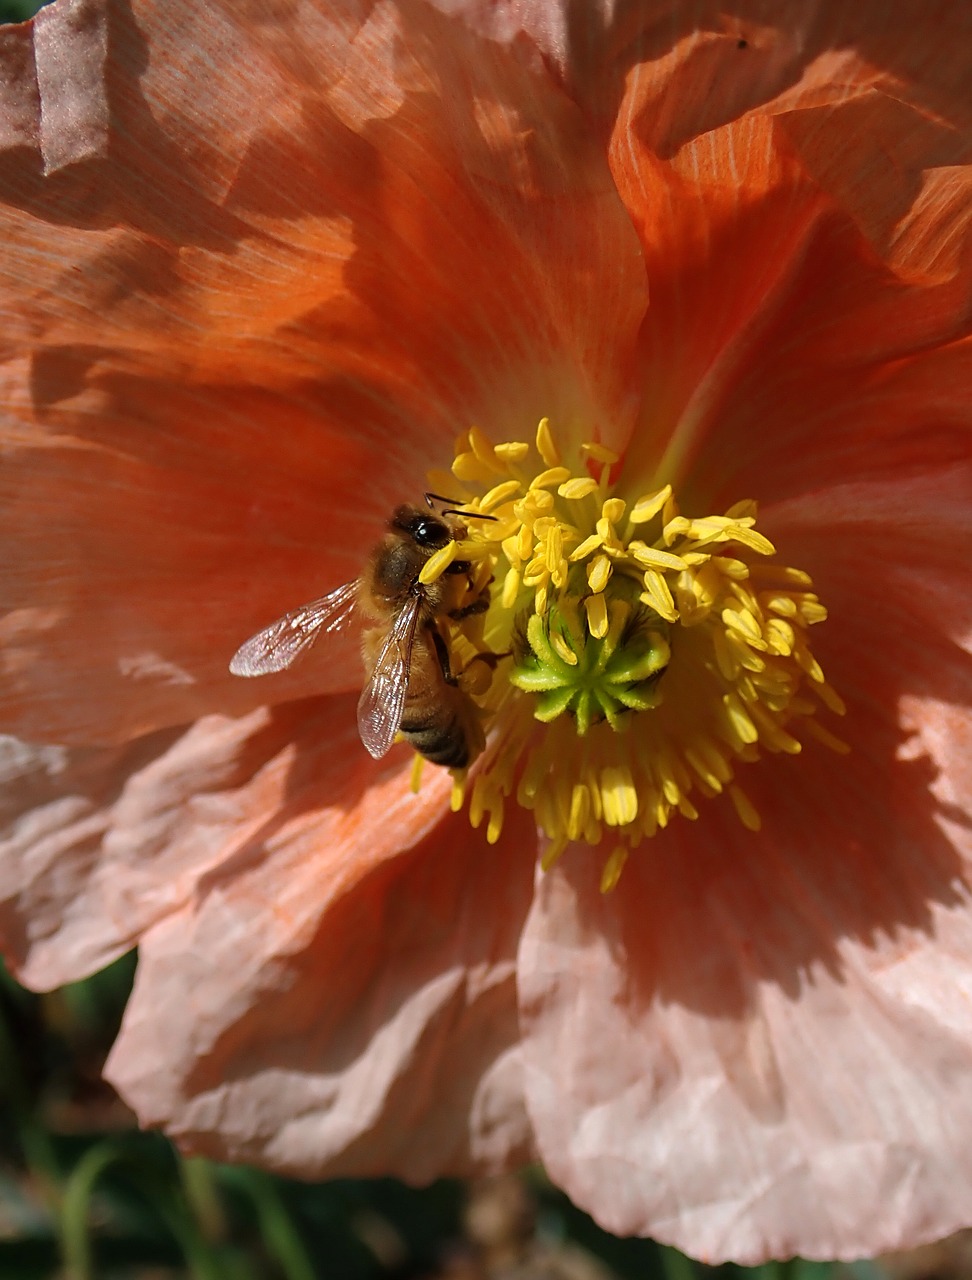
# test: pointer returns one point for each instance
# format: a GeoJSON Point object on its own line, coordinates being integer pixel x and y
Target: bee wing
{"type": "Point", "coordinates": [277, 646]}
{"type": "Point", "coordinates": [382, 700]}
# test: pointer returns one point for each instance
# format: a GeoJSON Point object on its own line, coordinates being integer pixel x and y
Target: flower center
{"type": "Point", "coordinates": [631, 656]}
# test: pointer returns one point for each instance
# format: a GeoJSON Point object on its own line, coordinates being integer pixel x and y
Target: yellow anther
{"type": "Point", "coordinates": [469, 469]}
{"type": "Point", "coordinates": [511, 588]}
{"type": "Point", "coordinates": [512, 451]}
{"type": "Point", "coordinates": [649, 505]}
{"type": "Point", "coordinates": [742, 621]}
{"type": "Point", "coordinates": [619, 797]}
{"type": "Point", "coordinates": [437, 563]}
{"type": "Point", "coordinates": [830, 698]}
{"type": "Point", "coordinates": [597, 616]}
{"type": "Point", "coordinates": [780, 636]}
{"type": "Point", "coordinates": [599, 452]}
{"type": "Point", "coordinates": [495, 824]}
{"type": "Point", "coordinates": [499, 494]}
{"type": "Point", "coordinates": [655, 558]}
{"type": "Point", "coordinates": [482, 448]}
{"type": "Point", "coordinates": [750, 538]}
{"type": "Point", "coordinates": [608, 535]}
{"type": "Point", "coordinates": [458, 796]}
{"type": "Point", "coordinates": [674, 529]}
{"type": "Point", "coordinates": [658, 595]}
{"type": "Point", "coordinates": [563, 650]}
{"type": "Point", "coordinates": [580, 809]}
{"type": "Point", "coordinates": [739, 720]}
{"type": "Point", "coordinates": [579, 487]}
{"type": "Point", "coordinates": [552, 852]}
{"type": "Point", "coordinates": [552, 476]}
{"type": "Point", "coordinates": [545, 444]}
{"type": "Point", "coordinates": [415, 780]}
{"type": "Point", "coordinates": [811, 611]}
{"type": "Point", "coordinates": [613, 867]}
{"type": "Point", "coordinates": [598, 573]}
{"type": "Point", "coordinates": [554, 547]}
{"type": "Point", "coordinates": [612, 509]}
{"type": "Point", "coordinates": [785, 606]}
{"type": "Point", "coordinates": [727, 565]}
{"type": "Point", "coordinates": [586, 547]}
{"type": "Point", "coordinates": [744, 807]}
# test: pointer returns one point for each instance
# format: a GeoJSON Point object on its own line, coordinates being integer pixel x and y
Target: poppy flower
{"type": "Point", "coordinates": [690, 286]}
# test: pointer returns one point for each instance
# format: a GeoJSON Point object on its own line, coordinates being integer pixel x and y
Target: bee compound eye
{"type": "Point", "coordinates": [430, 532]}
{"type": "Point", "coordinates": [423, 527]}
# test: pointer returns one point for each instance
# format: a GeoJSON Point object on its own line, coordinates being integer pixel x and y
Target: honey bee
{"type": "Point", "coordinates": [411, 684]}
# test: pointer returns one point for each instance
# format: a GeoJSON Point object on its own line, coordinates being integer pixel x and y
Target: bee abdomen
{"type": "Point", "coordinates": [440, 741]}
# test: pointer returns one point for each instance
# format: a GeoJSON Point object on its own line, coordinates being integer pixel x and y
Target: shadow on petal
{"type": "Point", "coordinates": [353, 989]}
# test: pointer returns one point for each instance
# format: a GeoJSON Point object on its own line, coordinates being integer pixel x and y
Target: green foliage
{"type": "Point", "coordinates": [19, 11]}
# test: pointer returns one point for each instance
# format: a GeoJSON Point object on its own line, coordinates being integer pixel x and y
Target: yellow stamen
{"type": "Point", "coordinates": [613, 868]}
{"type": "Point", "coordinates": [545, 444]}
{"type": "Point", "coordinates": [415, 782]}
{"type": "Point", "coordinates": [438, 562]}
{"type": "Point", "coordinates": [632, 658]}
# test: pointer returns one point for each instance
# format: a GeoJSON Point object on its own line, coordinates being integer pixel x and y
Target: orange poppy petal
{"type": "Point", "coordinates": [803, 220]}
{"type": "Point", "coordinates": [103, 843]}
{"type": "Point", "coordinates": [888, 555]}
{"type": "Point", "coordinates": [795, 1084]}
{"type": "Point", "coordinates": [790, 430]}
{"type": "Point", "coordinates": [346, 996]}
{"type": "Point", "coordinates": [136, 562]}
{"type": "Point", "coordinates": [252, 319]}
{"type": "Point", "coordinates": [701, 63]}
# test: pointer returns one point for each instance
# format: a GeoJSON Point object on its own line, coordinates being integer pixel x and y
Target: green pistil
{"type": "Point", "coordinates": [567, 669]}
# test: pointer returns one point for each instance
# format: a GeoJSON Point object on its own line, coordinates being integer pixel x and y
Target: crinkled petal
{"type": "Point", "coordinates": [279, 270]}
{"type": "Point", "coordinates": [705, 62]}
{"type": "Point", "coordinates": [771, 1089]}
{"type": "Point", "coordinates": [102, 843]}
{"type": "Point", "coordinates": [789, 1010]}
{"type": "Point", "coordinates": [53, 99]}
{"type": "Point", "coordinates": [351, 1006]}
{"type": "Point", "coordinates": [720, 130]}
{"type": "Point", "coordinates": [749, 363]}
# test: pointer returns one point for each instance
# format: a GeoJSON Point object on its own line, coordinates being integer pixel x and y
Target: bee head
{"type": "Point", "coordinates": [425, 528]}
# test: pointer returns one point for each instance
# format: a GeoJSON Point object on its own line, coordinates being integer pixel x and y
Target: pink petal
{"type": "Point", "coordinates": [52, 92]}
{"type": "Point", "coordinates": [780, 1082]}
{"type": "Point", "coordinates": [102, 843]}
{"type": "Point", "coordinates": [345, 1005]}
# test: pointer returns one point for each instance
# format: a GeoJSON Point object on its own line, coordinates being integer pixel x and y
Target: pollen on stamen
{"type": "Point", "coordinates": [415, 782]}
{"type": "Point", "coordinates": [633, 658]}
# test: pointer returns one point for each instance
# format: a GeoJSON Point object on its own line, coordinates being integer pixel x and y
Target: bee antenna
{"type": "Point", "coordinates": [430, 498]}
{"type": "Point", "coordinates": [454, 509]}
{"type": "Point", "coordinates": [469, 515]}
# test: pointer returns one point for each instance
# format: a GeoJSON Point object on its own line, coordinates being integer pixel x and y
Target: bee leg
{"type": "Point", "coordinates": [442, 653]}
{"type": "Point", "coordinates": [479, 605]}
{"type": "Point", "coordinates": [467, 610]}
{"type": "Point", "coordinates": [492, 660]}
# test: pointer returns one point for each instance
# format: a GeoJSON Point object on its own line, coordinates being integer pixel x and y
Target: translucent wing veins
{"type": "Point", "coordinates": [277, 646]}
{"type": "Point", "coordinates": [382, 700]}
